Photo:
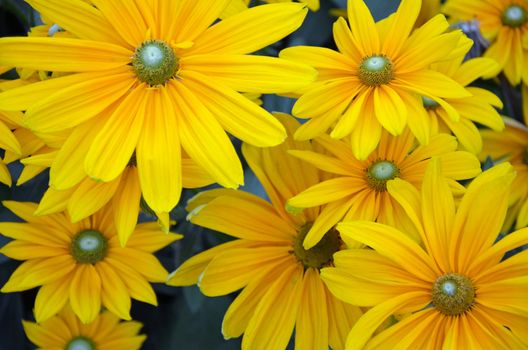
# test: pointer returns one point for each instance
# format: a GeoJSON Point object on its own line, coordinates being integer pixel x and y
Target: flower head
{"type": "Point", "coordinates": [358, 189]}
{"type": "Point", "coordinates": [457, 289]}
{"type": "Point", "coordinates": [152, 79]}
{"type": "Point", "coordinates": [82, 264]}
{"type": "Point", "coordinates": [281, 288]}
{"type": "Point", "coordinates": [504, 23]}
{"type": "Point", "coordinates": [66, 331]}
{"type": "Point", "coordinates": [376, 79]}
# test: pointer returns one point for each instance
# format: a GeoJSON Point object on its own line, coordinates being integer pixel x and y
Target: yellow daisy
{"type": "Point", "coordinates": [511, 145]}
{"type": "Point", "coordinates": [458, 290]}
{"type": "Point", "coordinates": [358, 189]}
{"type": "Point", "coordinates": [65, 331]}
{"type": "Point", "coordinates": [504, 23]}
{"type": "Point", "coordinates": [156, 76]}
{"type": "Point", "coordinates": [380, 73]}
{"type": "Point", "coordinates": [279, 278]}
{"type": "Point", "coordinates": [82, 264]}
{"type": "Point", "coordinates": [478, 108]}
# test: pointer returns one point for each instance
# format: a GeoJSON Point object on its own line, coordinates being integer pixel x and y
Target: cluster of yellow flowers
{"type": "Point", "coordinates": [379, 230]}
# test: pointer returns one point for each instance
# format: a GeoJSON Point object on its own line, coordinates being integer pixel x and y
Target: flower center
{"type": "Point", "coordinates": [154, 62]}
{"type": "Point", "coordinates": [89, 247]}
{"type": "Point", "coordinates": [429, 103]}
{"type": "Point", "coordinates": [379, 172]}
{"type": "Point", "coordinates": [514, 16]}
{"type": "Point", "coordinates": [80, 343]}
{"type": "Point", "coordinates": [375, 70]}
{"type": "Point", "coordinates": [453, 294]}
{"type": "Point", "coordinates": [319, 255]}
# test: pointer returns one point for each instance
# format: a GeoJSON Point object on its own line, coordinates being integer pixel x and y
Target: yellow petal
{"type": "Point", "coordinates": [203, 138]}
{"type": "Point", "coordinates": [113, 146]}
{"type": "Point", "coordinates": [62, 54]}
{"type": "Point", "coordinates": [51, 298]}
{"type": "Point", "coordinates": [363, 27]}
{"type": "Point", "coordinates": [250, 30]}
{"type": "Point", "coordinates": [158, 154]}
{"type": "Point", "coordinates": [126, 204]}
{"type": "Point", "coordinates": [144, 263]}
{"type": "Point", "coordinates": [85, 293]}
{"type": "Point", "coordinates": [114, 293]}
{"type": "Point", "coordinates": [89, 197]}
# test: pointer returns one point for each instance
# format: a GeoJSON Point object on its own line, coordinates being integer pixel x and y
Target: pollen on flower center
{"type": "Point", "coordinates": [453, 294]}
{"type": "Point", "coordinates": [514, 16]}
{"type": "Point", "coordinates": [319, 255]}
{"type": "Point", "coordinates": [89, 246]}
{"type": "Point", "coordinates": [379, 172]}
{"type": "Point", "coordinates": [376, 70]}
{"type": "Point", "coordinates": [429, 103]}
{"type": "Point", "coordinates": [80, 343]}
{"type": "Point", "coordinates": [155, 62]}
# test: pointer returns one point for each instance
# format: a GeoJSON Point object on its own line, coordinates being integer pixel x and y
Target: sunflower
{"type": "Point", "coordinates": [458, 290]}
{"type": "Point", "coordinates": [504, 23]}
{"type": "Point", "coordinates": [379, 73]}
{"type": "Point", "coordinates": [82, 264]}
{"type": "Point", "coordinates": [511, 145]}
{"type": "Point", "coordinates": [279, 278]}
{"type": "Point", "coordinates": [155, 77]}
{"type": "Point", "coordinates": [65, 331]}
{"type": "Point", "coordinates": [358, 189]}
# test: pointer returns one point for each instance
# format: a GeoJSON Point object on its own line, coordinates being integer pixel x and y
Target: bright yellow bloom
{"type": "Point", "coordinates": [153, 77]}
{"type": "Point", "coordinates": [280, 279]}
{"type": "Point", "coordinates": [478, 108]}
{"type": "Point", "coordinates": [65, 331]}
{"type": "Point", "coordinates": [377, 78]}
{"type": "Point", "coordinates": [82, 264]}
{"type": "Point", "coordinates": [511, 145]}
{"type": "Point", "coordinates": [504, 23]}
{"type": "Point", "coordinates": [359, 187]}
{"type": "Point", "coordinates": [457, 289]}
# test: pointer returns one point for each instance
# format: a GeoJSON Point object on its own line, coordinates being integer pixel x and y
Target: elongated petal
{"type": "Point", "coordinates": [242, 219]}
{"type": "Point", "coordinates": [126, 204]}
{"type": "Point", "coordinates": [195, 17]}
{"type": "Point", "coordinates": [114, 293]}
{"type": "Point", "coordinates": [203, 138]}
{"type": "Point", "coordinates": [363, 27]}
{"type": "Point", "coordinates": [51, 298]}
{"type": "Point", "coordinates": [401, 27]}
{"type": "Point", "coordinates": [390, 109]}
{"type": "Point", "coordinates": [311, 327]}
{"type": "Point", "coordinates": [84, 100]}
{"type": "Point", "coordinates": [144, 263]}
{"type": "Point", "coordinates": [327, 191]}
{"type": "Point", "coordinates": [113, 146]}
{"type": "Point", "coordinates": [319, 57]}
{"type": "Point", "coordinates": [250, 30]}
{"type": "Point", "coordinates": [90, 196]}
{"type": "Point", "coordinates": [247, 73]}
{"type": "Point", "coordinates": [391, 243]}
{"type": "Point", "coordinates": [237, 114]}
{"type": "Point", "coordinates": [278, 306]}
{"type": "Point", "coordinates": [85, 293]}
{"type": "Point", "coordinates": [62, 54]}
{"type": "Point", "coordinates": [78, 18]}
{"type": "Point", "coordinates": [431, 83]}
{"type": "Point", "coordinates": [235, 268]}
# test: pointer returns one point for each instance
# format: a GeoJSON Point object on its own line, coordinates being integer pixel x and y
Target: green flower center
{"type": "Point", "coordinates": [89, 247]}
{"type": "Point", "coordinates": [379, 172]}
{"type": "Point", "coordinates": [319, 255]}
{"type": "Point", "coordinates": [429, 103]}
{"type": "Point", "coordinates": [514, 16]}
{"type": "Point", "coordinates": [81, 343]}
{"type": "Point", "coordinates": [453, 294]}
{"type": "Point", "coordinates": [155, 62]}
{"type": "Point", "coordinates": [375, 70]}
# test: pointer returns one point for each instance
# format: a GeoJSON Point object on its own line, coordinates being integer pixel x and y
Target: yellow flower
{"type": "Point", "coordinates": [459, 291]}
{"type": "Point", "coordinates": [82, 264]}
{"type": "Point", "coordinates": [65, 331]}
{"type": "Point", "coordinates": [358, 189]}
{"type": "Point", "coordinates": [511, 145]}
{"type": "Point", "coordinates": [279, 278]}
{"type": "Point", "coordinates": [379, 73]}
{"type": "Point", "coordinates": [478, 108]}
{"type": "Point", "coordinates": [504, 23]}
{"type": "Point", "coordinates": [154, 79]}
